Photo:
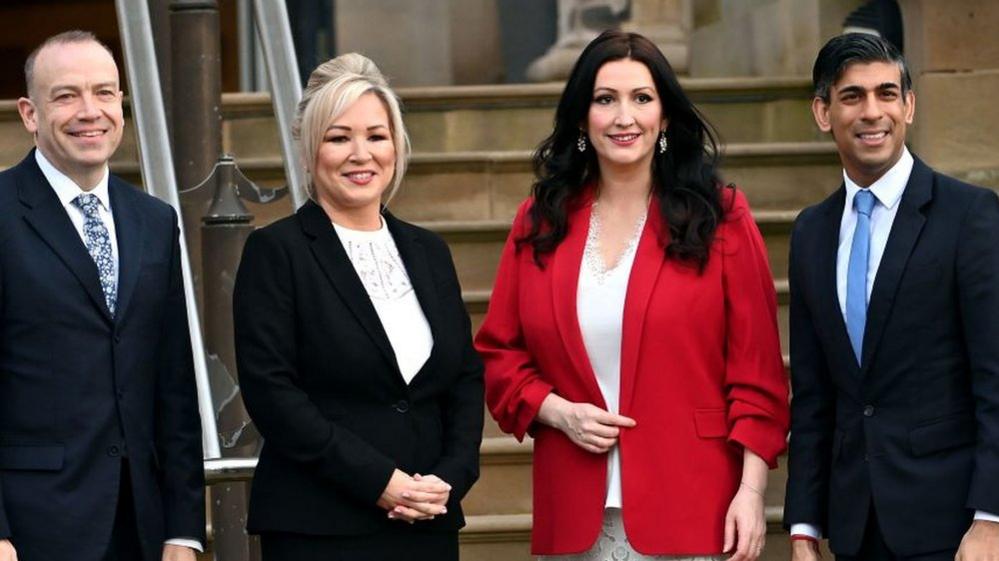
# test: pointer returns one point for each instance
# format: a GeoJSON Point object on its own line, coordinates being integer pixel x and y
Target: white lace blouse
{"type": "Point", "coordinates": [376, 259]}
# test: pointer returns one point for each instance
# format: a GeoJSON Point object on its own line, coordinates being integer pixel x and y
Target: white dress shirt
{"type": "Point", "coordinates": [67, 190]}
{"type": "Point", "coordinates": [887, 191]}
{"type": "Point", "coordinates": [600, 296]}
{"type": "Point", "coordinates": [377, 262]}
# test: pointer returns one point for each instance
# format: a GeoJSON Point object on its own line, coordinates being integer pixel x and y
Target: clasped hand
{"type": "Point", "coordinates": [588, 426]}
{"type": "Point", "coordinates": [418, 497]}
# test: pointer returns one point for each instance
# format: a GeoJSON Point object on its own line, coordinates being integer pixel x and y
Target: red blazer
{"type": "Point", "coordinates": [701, 373]}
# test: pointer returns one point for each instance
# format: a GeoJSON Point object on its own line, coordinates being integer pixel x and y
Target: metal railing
{"type": "Point", "coordinates": [156, 163]}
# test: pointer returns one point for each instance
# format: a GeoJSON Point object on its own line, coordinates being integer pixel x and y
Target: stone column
{"type": "Point", "coordinates": [954, 61]}
{"type": "Point", "coordinates": [668, 24]}
{"type": "Point", "coordinates": [579, 21]}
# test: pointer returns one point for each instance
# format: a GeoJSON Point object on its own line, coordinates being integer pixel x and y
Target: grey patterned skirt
{"type": "Point", "coordinates": [612, 545]}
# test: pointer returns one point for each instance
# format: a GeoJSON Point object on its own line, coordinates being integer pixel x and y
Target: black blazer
{"type": "Point", "coordinates": [915, 427]}
{"type": "Point", "coordinates": [80, 388]}
{"type": "Point", "coordinates": [321, 382]}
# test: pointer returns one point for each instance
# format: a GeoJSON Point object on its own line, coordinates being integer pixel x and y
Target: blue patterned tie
{"type": "Point", "coordinates": [856, 275]}
{"type": "Point", "coordinates": [98, 242]}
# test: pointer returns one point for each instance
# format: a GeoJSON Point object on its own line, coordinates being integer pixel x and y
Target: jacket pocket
{"type": "Point", "coordinates": [30, 457]}
{"type": "Point", "coordinates": [711, 423]}
{"type": "Point", "coordinates": [951, 432]}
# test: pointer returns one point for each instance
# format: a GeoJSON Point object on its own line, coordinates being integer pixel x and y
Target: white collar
{"type": "Point", "coordinates": [67, 189]}
{"type": "Point", "coordinates": [889, 187]}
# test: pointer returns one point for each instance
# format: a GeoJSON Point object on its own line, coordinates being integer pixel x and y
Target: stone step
{"type": "Point", "coordinates": [506, 537]}
{"type": "Point", "coordinates": [504, 485]}
{"type": "Point", "coordinates": [512, 117]}
{"type": "Point", "coordinates": [476, 245]}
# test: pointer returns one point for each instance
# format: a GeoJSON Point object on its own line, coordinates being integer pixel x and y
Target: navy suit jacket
{"type": "Point", "coordinates": [80, 388]}
{"type": "Point", "coordinates": [914, 428]}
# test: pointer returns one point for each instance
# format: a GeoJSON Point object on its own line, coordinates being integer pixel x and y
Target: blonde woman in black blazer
{"type": "Point", "coordinates": [354, 349]}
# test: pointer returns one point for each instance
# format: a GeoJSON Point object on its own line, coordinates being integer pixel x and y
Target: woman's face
{"type": "Point", "coordinates": [355, 162]}
{"type": "Point", "coordinates": [625, 115]}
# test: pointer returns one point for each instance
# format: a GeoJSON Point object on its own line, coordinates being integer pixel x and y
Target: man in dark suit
{"type": "Point", "coordinates": [894, 450]}
{"type": "Point", "coordinates": [100, 439]}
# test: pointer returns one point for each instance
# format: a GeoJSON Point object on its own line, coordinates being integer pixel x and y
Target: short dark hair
{"type": "Point", "coordinates": [64, 38]}
{"type": "Point", "coordinates": [850, 48]}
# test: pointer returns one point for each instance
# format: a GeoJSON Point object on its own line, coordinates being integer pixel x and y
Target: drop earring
{"type": "Point", "coordinates": [663, 144]}
{"type": "Point", "coordinates": [581, 142]}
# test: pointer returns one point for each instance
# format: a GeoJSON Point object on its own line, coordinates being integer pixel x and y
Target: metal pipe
{"type": "Point", "coordinates": [286, 89]}
{"type": "Point", "coordinates": [228, 470]}
{"type": "Point", "coordinates": [156, 161]}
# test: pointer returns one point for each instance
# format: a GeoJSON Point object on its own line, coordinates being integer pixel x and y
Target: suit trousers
{"type": "Point", "coordinates": [124, 544]}
{"type": "Point", "coordinates": [400, 542]}
{"type": "Point", "coordinates": [874, 548]}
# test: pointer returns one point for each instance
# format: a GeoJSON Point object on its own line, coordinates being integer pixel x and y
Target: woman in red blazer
{"type": "Point", "coordinates": [632, 329]}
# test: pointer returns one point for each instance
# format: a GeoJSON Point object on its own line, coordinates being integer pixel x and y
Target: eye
{"type": "Point", "coordinates": [849, 97]}
{"type": "Point", "coordinates": [64, 96]}
{"type": "Point", "coordinates": [643, 98]}
{"type": "Point", "coordinates": [889, 94]}
{"type": "Point", "coordinates": [337, 138]}
{"type": "Point", "coordinates": [603, 99]}
{"type": "Point", "coordinates": [107, 94]}
{"type": "Point", "coordinates": [377, 137]}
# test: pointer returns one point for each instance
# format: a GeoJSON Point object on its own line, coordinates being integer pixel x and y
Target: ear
{"type": "Point", "coordinates": [29, 115]}
{"type": "Point", "coordinates": [664, 124]}
{"type": "Point", "coordinates": [910, 106]}
{"type": "Point", "coordinates": [820, 110]}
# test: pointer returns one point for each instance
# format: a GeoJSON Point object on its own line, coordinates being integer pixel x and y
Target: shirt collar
{"type": "Point", "coordinates": [67, 189]}
{"type": "Point", "coordinates": [889, 187]}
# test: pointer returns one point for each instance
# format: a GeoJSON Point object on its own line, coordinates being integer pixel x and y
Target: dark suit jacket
{"type": "Point", "coordinates": [79, 388]}
{"type": "Point", "coordinates": [321, 382]}
{"type": "Point", "coordinates": [914, 428]}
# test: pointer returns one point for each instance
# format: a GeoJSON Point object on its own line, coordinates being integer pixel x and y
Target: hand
{"type": "Point", "coordinates": [433, 498]}
{"type": "Point", "coordinates": [588, 426]}
{"type": "Point", "coordinates": [980, 542]}
{"type": "Point", "coordinates": [745, 522]}
{"type": "Point", "coordinates": [172, 552]}
{"type": "Point", "coordinates": [7, 552]}
{"type": "Point", "coordinates": [803, 550]}
{"type": "Point", "coordinates": [406, 498]}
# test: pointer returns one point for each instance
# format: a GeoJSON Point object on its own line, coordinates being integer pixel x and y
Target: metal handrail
{"type": "Point", "coordinates": [274, 32]}
{"type": "Point", "coordinates": [156, 160]}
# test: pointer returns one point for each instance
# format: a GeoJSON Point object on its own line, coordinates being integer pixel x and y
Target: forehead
{"type": "Point", "coordinates": [74, 64]}
{"type": "Point", "coordinates": [368, 110]}
{"type": "Point", "coordinates": [869, 75]}
{"type": "Point", "coordinates": [624, 74]}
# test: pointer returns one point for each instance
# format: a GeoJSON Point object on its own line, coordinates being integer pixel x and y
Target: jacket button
{"type": "Point", "coordinates": [402, 406]}
{"type": "Point", "coordinates": [113, 451]}
{"type": "Point", "coordinates": [868, 410]}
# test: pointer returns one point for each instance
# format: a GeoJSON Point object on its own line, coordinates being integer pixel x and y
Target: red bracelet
{"type": "Point", "coordinates": [804, 538]}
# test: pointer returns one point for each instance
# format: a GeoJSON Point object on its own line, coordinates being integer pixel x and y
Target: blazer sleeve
{"type": "Point", "coordinates": [5, 531]}
{"type": "Point", "coordinates": [514, 387]}
{"type": "Point", "coordinates": [266, 356]}
{"type": "Point", "coordinates": [178, 422]}
{"type": "Point", "coordinates": [813, 406]}
{"type": "Point", "coordinates": [978, 286]}
{"type": "Point", "coordinates": [463, 401]}
{"type": "Point", "coordinates": [755, 380]}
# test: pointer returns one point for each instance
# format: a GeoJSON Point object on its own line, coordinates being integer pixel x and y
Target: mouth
{"type": "Point", "coordinates": [624, 139]}
{"type": "Point", "coordinates": [360, 177]}
{"type": "Point", "coordinates": [873, 138]}
{"type": "Point", "coordinates": [88, 133]}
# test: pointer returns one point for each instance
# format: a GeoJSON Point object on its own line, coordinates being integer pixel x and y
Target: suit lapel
{"type": "Point", "coordinates": [650, 256]}
{"type": "Point", "coordinates": [905, 231]}
{"type": "Point", "coordinates": [129, 234]}
{"type": "Point", "coordinates": [832, 217]}
{"type": "Point", "coordinates": [565, 282]}
{"type": "Point", "coordinates": [48, 218]}
{"type": "Point", "coordinates": [333, 260]}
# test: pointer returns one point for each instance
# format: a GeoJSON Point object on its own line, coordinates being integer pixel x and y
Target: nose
{"type": "Point", "coordinates": [871, 109]}
{"type": "Point", "coordinates": [89, 109]}
{"type": "Point", "coordinates": [359, 151]}
{"type": "Point", "coordinates": [624, 116]}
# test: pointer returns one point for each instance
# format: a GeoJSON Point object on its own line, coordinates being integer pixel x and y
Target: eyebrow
{"type": "Point", "coordinates": [853, 88]}
{"type": "Point", "coordinates": [346, 128]}
{"type": "Point", "coordinates": [650, 88]}
{"type": "Point", "coordinates": [72, 87]}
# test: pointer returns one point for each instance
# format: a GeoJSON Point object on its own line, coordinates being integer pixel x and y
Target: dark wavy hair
{"type": "Point", "coordinates": [685, 181]}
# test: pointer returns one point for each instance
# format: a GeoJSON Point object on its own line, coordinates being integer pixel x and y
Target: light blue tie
{"type": "Point", "coordinates": [856, 274]}
{"type": "Point", "coordinates": [98, 242]}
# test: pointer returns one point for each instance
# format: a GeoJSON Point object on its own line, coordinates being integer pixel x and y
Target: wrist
{"type": "Point", "coordinates": [552, 411]}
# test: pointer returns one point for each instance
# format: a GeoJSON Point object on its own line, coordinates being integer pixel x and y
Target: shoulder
{"type": "Point", "coordinates": [150, 206]}
{"type": "Point", "coordinates": [279, 232]}
{"type": "Point", "coordinates": [955, 189]}
{"type": "Point", "coordinates": [430, 240]}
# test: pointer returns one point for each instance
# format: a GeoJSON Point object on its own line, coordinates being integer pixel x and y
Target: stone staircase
{"type": "Point", "coordinates": [470, 170]}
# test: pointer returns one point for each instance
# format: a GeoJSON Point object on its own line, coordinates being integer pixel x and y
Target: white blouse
{"type": "Point", "coordinates": [600, 307]}
{"type": "Point", "coordinates": [376, 259]}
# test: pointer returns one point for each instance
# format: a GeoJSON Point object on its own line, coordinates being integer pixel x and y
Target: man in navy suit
{"type": "Point", "coordinates": [100, 439]}
{"type": "Point", "coordinates": [894, 451]}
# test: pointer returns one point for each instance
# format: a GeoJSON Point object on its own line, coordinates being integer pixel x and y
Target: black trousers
{"type": "Point", "coordinates": [874, 548]}
{"type": "Point", "coordinates": [124, 544]}
{"type": "Point", "coordinates": [395, 544]}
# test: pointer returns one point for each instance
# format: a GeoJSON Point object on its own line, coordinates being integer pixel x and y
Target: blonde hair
{"type": "Point", "coordinates": [333, 87]}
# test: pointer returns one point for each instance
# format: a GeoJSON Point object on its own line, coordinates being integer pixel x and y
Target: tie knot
{"type": "Point", "coordinates": [88, 203]}
{"type": "Point", "coordinates": [863, 201]}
